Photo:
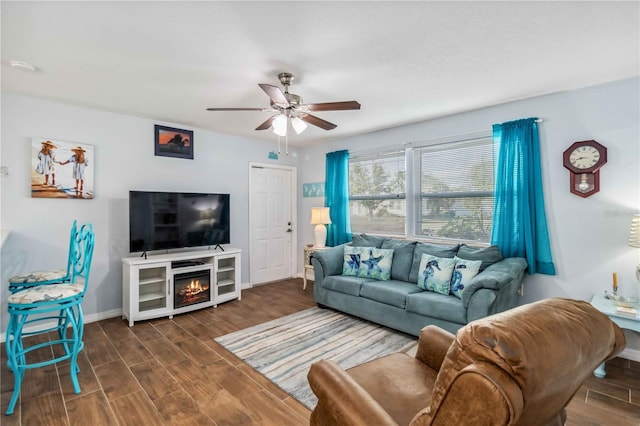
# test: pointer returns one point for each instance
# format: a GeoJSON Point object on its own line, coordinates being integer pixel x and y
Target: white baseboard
{"type": "Point", "coordinates": [87, 319]}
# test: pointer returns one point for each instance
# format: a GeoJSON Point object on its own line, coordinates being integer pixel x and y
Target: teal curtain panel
{"type": "Point", "coordinates": [519, 220]}
{"type": "Point", "coordinates": [337, 197]}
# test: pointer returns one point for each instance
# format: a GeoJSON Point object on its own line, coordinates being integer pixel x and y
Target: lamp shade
{"type": "Point", "coordinates": [634, 233]}
{"type": "Point", "coordinates": [320, 216]}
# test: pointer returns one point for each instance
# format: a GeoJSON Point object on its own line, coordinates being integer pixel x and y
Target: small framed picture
{"type": "Point", "coordinates": [171, 142]}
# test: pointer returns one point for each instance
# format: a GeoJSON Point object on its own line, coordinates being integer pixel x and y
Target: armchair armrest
{"type": "Point", "coordinates": [341, 400]}
{"type": "Point", "coordinates": [460, 401]}
{"type": "Point", "coordinates": [433, 345]}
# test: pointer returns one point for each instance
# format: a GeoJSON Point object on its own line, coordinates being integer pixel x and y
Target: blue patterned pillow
{"type": "Point", "coordinates": [375, 263]}
{"type": "Point", "coordinates": [463, 272]}
{"type": "Point", "coordinates": [435, 273]}
{"type": "Point", "coordinates": [352, 256]}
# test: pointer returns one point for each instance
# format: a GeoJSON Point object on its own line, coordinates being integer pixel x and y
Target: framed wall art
{"type": "Point", "coordinates": [315, 189]}
{"type": "Point", "coordinates": [172, 142]}
{"type": "Point", "coordinates": [61, 169]}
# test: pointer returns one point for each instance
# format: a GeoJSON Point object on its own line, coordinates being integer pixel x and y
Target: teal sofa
{"type": "Point", "coordinates": [399, 303]}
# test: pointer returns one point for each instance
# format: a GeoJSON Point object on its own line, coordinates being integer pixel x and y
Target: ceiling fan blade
{"type": "Point", "coordinates": [275, 94]}
{"type": "Point", "coordinates": [238, 109]}
{"type": "Point", "coordinates": [319, 122]}
{"type": "Point", "coordinates": [333, 106]}
{"type": "Point", "coordinates": [266, 124]}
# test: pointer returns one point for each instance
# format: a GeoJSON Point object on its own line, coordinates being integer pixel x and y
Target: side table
{"type": "Point", "coordinates": [608, 307]}
{"type": "Point", "coordinates": [306, 262]}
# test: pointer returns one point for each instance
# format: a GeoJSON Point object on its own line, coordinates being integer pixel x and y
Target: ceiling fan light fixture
{"type": "Point", "coordinates": [298, 125]}
{"type": "Point", "coordinates": [280, 125]}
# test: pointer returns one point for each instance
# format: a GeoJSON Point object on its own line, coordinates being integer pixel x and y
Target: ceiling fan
{"type": "Point", "coordinates": [289, 106]}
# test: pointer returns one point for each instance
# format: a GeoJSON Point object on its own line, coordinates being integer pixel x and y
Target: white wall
{"type": "Point", "coordinates": [124, 160]}
{"type": "Point", "coordinates": [588, 236]}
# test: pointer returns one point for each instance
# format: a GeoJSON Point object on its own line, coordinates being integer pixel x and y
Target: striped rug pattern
{"type": "Point", "coordinates": [284, 349]}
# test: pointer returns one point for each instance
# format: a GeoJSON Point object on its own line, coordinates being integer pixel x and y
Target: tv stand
{"type": "Point", "coordinates": [148, 283]}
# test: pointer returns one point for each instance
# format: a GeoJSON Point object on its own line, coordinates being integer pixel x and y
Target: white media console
{"type": "Point", "coordinates": [169, 284]}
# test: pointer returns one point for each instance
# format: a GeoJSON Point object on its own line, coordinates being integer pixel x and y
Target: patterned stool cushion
{"type": "Point", "coordinates": [38, 277]}
{"type": "Point", "coordinates": [49, 293]}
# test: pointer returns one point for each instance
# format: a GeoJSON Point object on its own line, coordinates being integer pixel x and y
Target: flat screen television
{"type": "Point", "coordinates": [170, 220]}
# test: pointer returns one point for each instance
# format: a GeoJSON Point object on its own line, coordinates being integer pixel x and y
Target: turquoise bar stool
{"type": "Point", "coordinates": [54, 276]}
{"type": "Point", "coordinates": [46, 308]}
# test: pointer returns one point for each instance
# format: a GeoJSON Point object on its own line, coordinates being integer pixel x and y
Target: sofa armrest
{"type": "Point", "coordinates": [331, 259]}
{"type": "Point", "coordinates": [341, 400]}
{"type": "Point", "coordinates": [433, 345]}
{"type": "Point", "coordinates": [508, 272]}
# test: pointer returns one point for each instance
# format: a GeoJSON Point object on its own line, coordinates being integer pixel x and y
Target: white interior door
{"type": "Point", "coordinates": [272, 231]}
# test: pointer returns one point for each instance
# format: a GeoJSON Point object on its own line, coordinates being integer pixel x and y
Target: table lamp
{"type": "Point", "coordinates": [634, 239]}
{"type": "Point", "coordinates": [320, 218]}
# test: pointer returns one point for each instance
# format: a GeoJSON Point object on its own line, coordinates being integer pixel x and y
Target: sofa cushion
{"type": "Point", "coordinates": [463, 273]}
{"type": "Point", "coordinates": [435, 273]}
{"type": "Point", "coordinates": [375, 263]}
{"type": "Point", "coordinates": [402, 257]}
{"type": "Point", "coordinates": [352, 258]}
{"type": "Point", "coordinates": [438, 306]}
{"type": "Point", "coordinates": [344, 284]}
{"type": "Point", "coordinates": [364, 240]}
{"type": "Point", "coordinates": [434, 250]}
{"type": "Point", "coordinates": [392, 293]}
{"type": "Point", "coordinates": [488, 255]}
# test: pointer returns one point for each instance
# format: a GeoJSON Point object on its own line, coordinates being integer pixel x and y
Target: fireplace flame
{"type": "Point", "coordinates": [193, 288]}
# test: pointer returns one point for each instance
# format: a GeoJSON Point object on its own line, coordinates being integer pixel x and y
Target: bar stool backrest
{"type": "Point", "coordinates": [81, 252]}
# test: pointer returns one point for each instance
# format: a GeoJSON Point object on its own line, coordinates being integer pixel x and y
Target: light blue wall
{"type": "Point", "coordinates": [124, 160]}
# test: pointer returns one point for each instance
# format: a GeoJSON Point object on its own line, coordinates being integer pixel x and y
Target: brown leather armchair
{"type": "Point", "coordinates": [519, 367]}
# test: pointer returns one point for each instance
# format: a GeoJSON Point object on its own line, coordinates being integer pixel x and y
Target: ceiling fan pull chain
{"type": "Point", "coordinates": [286, 143]}
{"type": "Point", "coordinates": [278, 144]}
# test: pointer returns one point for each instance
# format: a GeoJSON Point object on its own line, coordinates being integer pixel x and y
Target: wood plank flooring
{"type": "Point", "coordinates": [171, 372]}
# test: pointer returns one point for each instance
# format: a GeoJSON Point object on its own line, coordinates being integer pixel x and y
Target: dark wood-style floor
{"type": "Point", "coordinates": [171, 372]}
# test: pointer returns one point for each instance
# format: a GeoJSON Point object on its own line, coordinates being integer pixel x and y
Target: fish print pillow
{"type": "Point", "coordinates": [463, 272]}
{"type": "Point", "coordinates": [352, 256]}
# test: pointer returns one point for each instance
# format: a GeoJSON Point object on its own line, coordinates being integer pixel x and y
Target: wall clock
{"type": "Point", "coordinates": [583, 160]}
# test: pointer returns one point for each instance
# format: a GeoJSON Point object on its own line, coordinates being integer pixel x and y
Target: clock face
{"type": "Point", "coordinates": [584, 157]}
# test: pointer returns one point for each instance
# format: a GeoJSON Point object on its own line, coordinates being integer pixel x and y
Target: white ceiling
{"type": "Point", "coordinates": [403, 61]}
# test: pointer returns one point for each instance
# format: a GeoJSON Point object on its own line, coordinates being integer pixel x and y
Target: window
{"type": "Point", "coordinates": [377, 193]}
{"type": "Point", "coordinates": [454, 190]}
{"type": "Point", "coordinates": [448, 194]}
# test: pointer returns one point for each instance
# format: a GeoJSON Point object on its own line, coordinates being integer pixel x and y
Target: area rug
{"type": "Point", "coordinates": [284, 349]}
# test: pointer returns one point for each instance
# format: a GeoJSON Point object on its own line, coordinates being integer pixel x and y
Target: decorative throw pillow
{"type": "Point", "coordinates": [435, 273]}
{"type": "Point", "coordinates": [375, 263]}
{"type": "Point", "coordinates": [463, 272]}
{"type": "Point", "coordinates": [433, 250]}
{"type": "Point", "coordinates": [352, 256]}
